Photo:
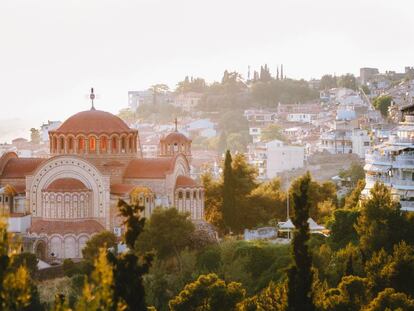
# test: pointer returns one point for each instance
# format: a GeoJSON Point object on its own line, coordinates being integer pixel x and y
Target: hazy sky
{"type": "Point", "coordinates": [52, 52]}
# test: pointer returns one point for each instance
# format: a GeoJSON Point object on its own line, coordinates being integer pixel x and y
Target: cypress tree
{"type": "Point", "coordinates": [228, 207]}
{"type": "Point", "coordinates": [300, 276]}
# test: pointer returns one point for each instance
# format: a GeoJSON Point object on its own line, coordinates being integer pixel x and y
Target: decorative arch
{"type": "Point", "coordinates": [70, 167]}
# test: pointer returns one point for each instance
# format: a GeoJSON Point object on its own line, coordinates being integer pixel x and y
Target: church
{"type": "Point", "coordinates": [95, 160]}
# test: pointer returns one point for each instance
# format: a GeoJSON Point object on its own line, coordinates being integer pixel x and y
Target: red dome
{"type": "Point", "coordinates": [93, 121]}
{"type": "Point", "coordinates": [66, 185]}
{"type": "Point", "coordinates": [175, 137]}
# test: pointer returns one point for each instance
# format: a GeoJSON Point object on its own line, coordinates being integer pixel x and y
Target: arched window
{"type": "Point", "coordinates": [62, 144]}
{"type": "Point", "coordinates": [92, 144]}
{"type": "Point", "coordinates": [54, 144]}
{"type": "Point", "coordinates": [123, 144]}
{"type": "Point", "coordinates": [180, 195]}
{"type": "Point", "coordinates": [131, 144]}
{"type": "Point", "coordinates": [70, 144]}
{"type": "Point", "coordinates": [104, 144]}
{"type": "Point", "coordinates": [114, 144]}
{"type": "Point", "coordinates": [195, 195]}
{"type": "Point", "coordinates": [81, 145]}
{"type": "Point", "coordinates": [187, 195]}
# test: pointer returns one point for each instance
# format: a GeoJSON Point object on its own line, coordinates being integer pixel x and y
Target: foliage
{"type": "Point", "coordinates": [34, 136]}
{"type": "Point", "coordinates": [98, 292]}
{"type": "Point", "coordinates": [128, 115]}
{"type": "Point", "coordinates": [228, 195]}
{"type": "Point", "coordinates": [160, 112]}
{"type": "Point", "coordinates": [197, 85]}
{"type": "Point", "coordinates": [104, 239]}
{"type": "Point", "coordinates": [17, 290]}
{"type": "Point", "coordinates": [389, 299]}
{"type": "Point", "coordinates": [208, 292]}
{"type": "Point", "coordinates": [168, 232]}
{"type": "Point", "coordinates": [348, 81]}
{"type": "Point", "coordinates": [272, 132]}
{"type": "Point", "coordinates": [212, 200]}
{"type": "Point", "coordinates": [300, 276]}
{"type": "Point", "coordinates": [272, 298]}
{"type": "Point", "coordinates": [351, 200]}
{"type": "Point", "coordinates": [342, 226]}
{"type": "Point", "coordinates": [351, 294]}
{"type": "Point", "coordinates": [328, 82]}
{"type": "Point", "coordinates": [287, 91]}
{"type": "Point", "coordinates": [355, 173]}
{"type": "Point", "coordinates": [382, 103]}
{"type": "Point", "coordinates": [381, 224]}
{"type": "Point", "coordinates": [27, 260]}
{"type": "Point", "coordinates": [392, 271]}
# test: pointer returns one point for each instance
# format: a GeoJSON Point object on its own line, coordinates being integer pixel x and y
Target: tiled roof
{"type": "Point", "coordinates": [156, 168]}
{"type": "Point", "coordinates": [88, 226]}
{"type": "Point", "coordinates": [20, 167]}
{"type": "Point", "coordinates": [93, 121]}
{"type": "Point", "coordinates": [186, 182]}
{"type": "Point", "coordinates": [175, 137]}
{"type": "Point", "coordinates": [65, 185]}
{"type": "Point", "coordinates": [122, 188]}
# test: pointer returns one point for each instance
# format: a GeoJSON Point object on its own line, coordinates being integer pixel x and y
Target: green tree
{"type": "Point", "coordinates": [17, 290]}
{"type": "Point", "coordinates": [381, 224]}
{"type": "Point", "coordinates": [213, 200]}
{"type": "Point", "coordinates": [351, 201]}
{"type": "Point", "coordinates": [98, 291]}
{"type": "Point", "coordinates": [389, 299]}
{"type": "Point", "coordinates": [342, 226]}
{"type": "Point", "coordinates": [351, 294]}
{"type": "Point", "coordinates": [348, 81]}
{"type": "Point", "coordinates": [207, 293]}
{"type": "Point", "coordinates": [229, 200]}
{"type": "Point", "coordinates": [300, 278]}
{"type": "Point", "coordinates": [272, 132]}
{"type": "Point", "coordinates": [130, 268]}
{"type": "Point", "coordinates": [104, 239]}
{"type": "Point", "coordinates": [128, 115]}
{"type": "Point", "coordinates": [168, 232]}
{"type": "Point", "coordinates": [382, 103]}
{"type": "Point", "coordinates": [394, 270]}
{"type": "Point", "coordinates": [34, 136]}
{"type": "Point", "coordinates": [328, 82]}
{"type": "Point", "coordinates": [272, 298]}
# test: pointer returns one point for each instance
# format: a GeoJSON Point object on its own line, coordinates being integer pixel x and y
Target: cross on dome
{"type": "Point", "coordinates": [92, 97]}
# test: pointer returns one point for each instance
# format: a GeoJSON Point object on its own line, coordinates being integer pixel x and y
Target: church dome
{"type": "Point", "coordinates": [176, 137]}
{"type": "Point", "coordinates": [93, 122]}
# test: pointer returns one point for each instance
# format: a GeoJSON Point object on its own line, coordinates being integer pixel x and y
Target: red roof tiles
{"type": "Point", "coordinates": [156, 168]}
{"type": "Point", "coordinates": [122, 188]}
{"type": "Point", "coordinates": [186, 182]}
{"type": "Point", "coordinates": [66, 185]}
{"type": "Point", "coordinates": [20, 167]}
{"type": "Point", "coordinates": [93, 121]}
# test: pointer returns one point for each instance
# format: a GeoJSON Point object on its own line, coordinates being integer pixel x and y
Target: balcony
{"type": "Point", "coordinates": [407, 206]}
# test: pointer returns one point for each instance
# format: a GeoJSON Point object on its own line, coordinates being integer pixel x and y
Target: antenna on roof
{"type": "Point", "coordinates": [176, 124]}
{"type": "Point", "coordinates": [92, 97]}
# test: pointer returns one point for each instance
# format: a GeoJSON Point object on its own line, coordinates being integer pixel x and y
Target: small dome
{"type": "Point", "coordinates": [93, 121]}
{"type": "Point", "coordinates": [176, 137]}
{"type": "Point", "coordinates": [66, 185]}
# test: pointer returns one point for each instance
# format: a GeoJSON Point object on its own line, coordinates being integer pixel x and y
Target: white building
{"type": "Point", "coordinates": [187, 101]}
{"type": "Point", "coordinates": [46, 127]}
{"type": "Point", "coordinates": [260, 116]}
{"type": "Point", "coordinates": [301, 117]}
{"type": "Point", "coordinates": [275, 157]}
{"type": "Point", "coordinates": [392, 163]}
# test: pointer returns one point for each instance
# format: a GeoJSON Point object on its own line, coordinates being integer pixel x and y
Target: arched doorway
{"type": "Point", "coordinates": [40, 250]}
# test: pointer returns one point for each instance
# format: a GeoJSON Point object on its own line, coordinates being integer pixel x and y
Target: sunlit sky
{"type": "Point", "coordinates": [52, 52]}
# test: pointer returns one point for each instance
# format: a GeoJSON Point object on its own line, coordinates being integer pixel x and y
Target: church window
{"type": "Point", "coordinates": [54, 144]}
{"type": "Point", "coordinates": [92, 144]}
{"type": "Point", "coordinates": [114, 144]}
{"type": "Point", "coordinates": [131, 144]}
{"type": "Point", "coordinates": [187, 195]}
{"type": "Point", "coordinates": [70, 144]}
{"type": "Point", "coordinates": [175, 147]}
{"type": "Point", "coordinates": [123, 144]}
{"type": "Point", "coordinates": [104, 144]}
{"type": "Point", "coordinates": [195, 195]}
{"type": "Point", "coordinates": [62, 144]}
{"type": "Point", "coordinates": [81, 144]}
{"type": "Point", "coordinates": [6, 199]}
{"type": "Point", "coordinates": [180, 195]}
